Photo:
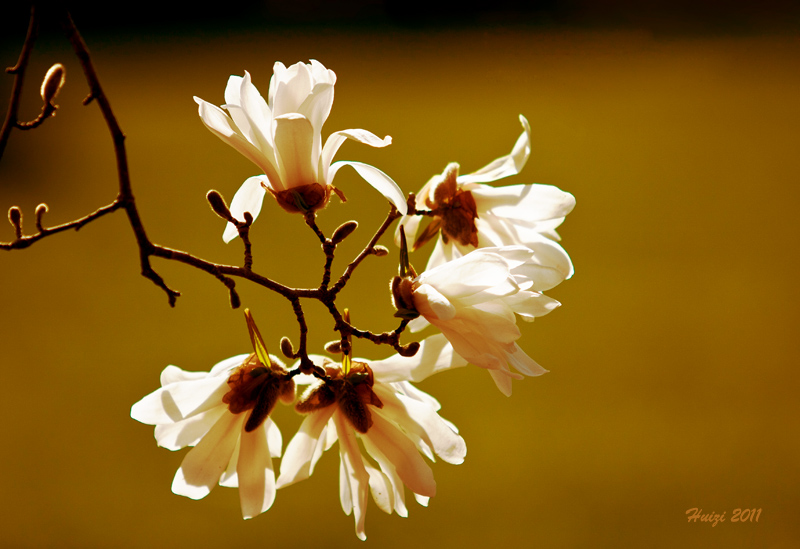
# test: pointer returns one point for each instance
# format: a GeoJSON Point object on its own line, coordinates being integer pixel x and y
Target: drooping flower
{"type": "Point", "coordinates": [469, 214]}
{"type": "Point", "coordinates": [393, 420]}
{"type": "Point", "coordinates": [282, 136]}
{"type": "Point", "coordinates": [473, 301]}
{"type": "Point", "coordinates": [224, 415]}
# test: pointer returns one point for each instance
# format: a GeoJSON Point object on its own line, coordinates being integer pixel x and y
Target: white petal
{"type": "Point", "coordinates": [504, 166]}
{"type": "Point", "coordinates": [299, 459]}
{"type": "Point", "coordinates": [173, 374]}
{"type": "Point", "coordinates": [525, 202]}
{"type": "Point", "coordinates": [355, 475]}
{"type": "Point", "coordinates": [224, 367]}
{"type": "Point", "coordinates": [336, 139]}
{"type": "Point", "coordinates": [412, 469]}
{"type": "Point", "coordinates": [421, 422]}
{"type": "Point", "coordinates": [316, 109]}
{"type": "Point", "coordinates": [294, 139]}
{"type": "Point", "coordinates": [220, 125]}
{"type": "Point", "coordinates": [379, 180]}
{"type": "Point", "coordinates": [293, 86]}
{"type": "Point", "coordinates": [523, 363]}
{"type": "Point", "coordinates": [530, 305]}
{"type": "Point", "coordinates": [480, 271]}
{"type": "Point", "coordinates": [274, 438]}
{"type": "Point", "coordinates": [381, 488]}
{"type": "Point", "coordinates": [249, 198]}
{"type": "Point", "coordinates": [422, 500]}
{"type": "Point", "coordinates": [203, 465]}
{"type": "Point", "coordinates": [180, 400]}
{"type": "Point", "coordinates": [398, 488]}
{"type": "Point", "coordinates": [435, 355]}
{"type": "Point", "coordinates": [431, 304]}
{"type": "Point", "coordinates": [174, 436]}
{"type": "Point", "coordinates": [256, 477]}
{"type": "Point", "coordinates": [229, 478]}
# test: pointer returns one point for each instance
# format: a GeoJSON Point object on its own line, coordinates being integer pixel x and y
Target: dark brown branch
{"type": "Point", "coordinates": [224, 273]}
{"type": "Point", "coordinates": [18, 71]}
{"type": "Point", "coordinates": [25, 241]}
{"type": "Point", "coordinates": [368, 250]}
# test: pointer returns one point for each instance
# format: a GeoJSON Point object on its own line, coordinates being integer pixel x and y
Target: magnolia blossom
{"type": "Point", "coordinates": [473, 301]}
{"type": "Point", "coordinates": [282, 136]}
{"type": "Point", "coordinates": [372, 402]}
{"type": "Point", "coordinates": [224, 415]}
{"type": "Point", "coordinates": [470, 214]}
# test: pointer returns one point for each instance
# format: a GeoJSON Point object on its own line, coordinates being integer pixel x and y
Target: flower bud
{"type": "Point", "coordinates": [52, 82]}
{"type": "Point", "coordinates": [15, 217]}
{"type": "Point", "coordinates": [408, 350]}
{"type": "Point", "coordinates": [334, 347]}
{"type": "Point", "coordinates": [41, 209]}
{"type": "Point", "coordinates": [218, 205]}
{"type": "Point", "coordinates": [380, 251]}
{"type": "Point", "coordinates": [344, 230]}
{"type": "Point", "coordinates": [286, 347]}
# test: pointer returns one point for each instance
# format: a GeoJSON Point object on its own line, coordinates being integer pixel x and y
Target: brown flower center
{"type": "Point", "coordinates": [255, 387]}
{"type": "Point", "coordinates": [352, 391]}
{"type": "Point", "coordinates": [454, 210]}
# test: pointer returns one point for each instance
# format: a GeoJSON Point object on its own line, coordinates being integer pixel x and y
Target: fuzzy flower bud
{"type": "Point", "coordinates": [52, 83]}
{"type": "Point", "coordinates": [344, 230]}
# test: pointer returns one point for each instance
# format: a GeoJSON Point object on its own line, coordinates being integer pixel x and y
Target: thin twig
{"type": "Point", "coordinates": [368, 250]}
{"type": "Point", "coordinates": [18, 71]}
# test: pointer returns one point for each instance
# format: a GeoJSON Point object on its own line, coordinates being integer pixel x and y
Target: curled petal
{"type": "Point", "coordinates": [222, 126]}
{"type": "Point", "coordinates": [379, 180]}
{"type": "Point", "coordinates": [336, 139]}
{"type": "Point", "coordinates": [511, 164]}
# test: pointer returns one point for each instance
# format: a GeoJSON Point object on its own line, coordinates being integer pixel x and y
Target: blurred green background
{"type": "Point", "coordinates": [673, 360]}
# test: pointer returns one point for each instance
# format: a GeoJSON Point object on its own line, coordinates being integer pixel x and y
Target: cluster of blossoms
{"type": "Point", "coordinates": [496, 250]}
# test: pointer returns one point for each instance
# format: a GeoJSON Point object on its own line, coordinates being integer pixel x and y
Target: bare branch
{"type": "Point", "coordinates": [18, 71]}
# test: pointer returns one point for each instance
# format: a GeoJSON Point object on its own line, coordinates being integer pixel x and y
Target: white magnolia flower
{"type": "Point", "coordinates": [394, 421]}
{"type": "Point", "coordinates": [283, 137]}
{"type": "Point", "coordinates": [224, 414]}
{"type": "Point", "coordinates": [473, 215]}
{"type": "Point", "coordinates": [473, 301]}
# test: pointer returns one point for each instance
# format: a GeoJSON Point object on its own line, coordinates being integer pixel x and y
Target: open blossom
{"type": "Point", "coordinates": [470, 214]}
{"type": "Point", "coordinates": [394, 421]}
{"type": "Point", "coordinates": [473, 301]}
{"type": "Point", "coordinates": [224, 414]}
{"type": "Point", "coordinates": [282, 136]}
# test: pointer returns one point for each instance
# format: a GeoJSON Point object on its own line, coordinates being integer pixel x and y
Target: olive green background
{"type": "Point", "coordinates": [673, 359]}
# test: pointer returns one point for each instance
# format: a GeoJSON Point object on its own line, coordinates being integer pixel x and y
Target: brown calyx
{"type": "Point", "coordinates": [351, 391]}
{"type": "Point", "coordinates": [403, 297]}
{"type": "Point", "coordinates": [256, 387]}
{"type": "Point", "coordinates": [302, 199]}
